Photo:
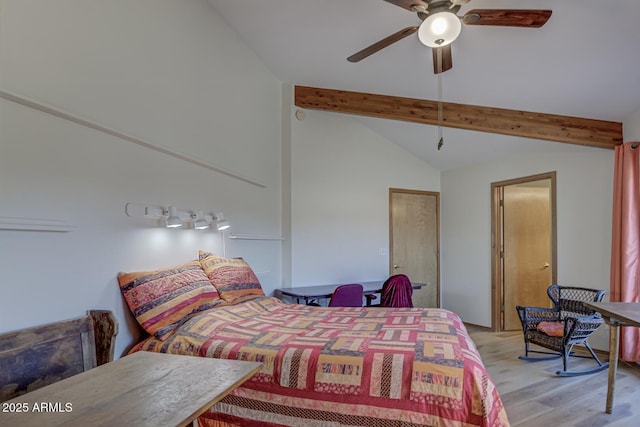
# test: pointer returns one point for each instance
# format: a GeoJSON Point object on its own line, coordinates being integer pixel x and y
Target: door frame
{"type": "Point", "coordinates": [496, 238]}
{"type": "Point", "coordinates": [424, 193]}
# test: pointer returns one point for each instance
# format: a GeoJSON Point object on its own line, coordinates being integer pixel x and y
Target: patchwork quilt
{"type": "Point", "coordinates": [342, 366]}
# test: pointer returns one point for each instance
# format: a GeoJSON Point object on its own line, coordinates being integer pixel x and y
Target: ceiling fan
{"type": "Point", "coordinates": [440, 26]}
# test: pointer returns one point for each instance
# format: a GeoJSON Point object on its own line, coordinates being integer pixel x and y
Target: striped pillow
{"type": "Point", "coordinates": [162, 300]}
{"type": "Point", "coordinates": [233, 277]}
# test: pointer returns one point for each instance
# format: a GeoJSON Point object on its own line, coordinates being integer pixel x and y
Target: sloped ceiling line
{"type": "Point", "coordinates": [549, 127]}
{"type": "Point", "coordinates": [56, 112]}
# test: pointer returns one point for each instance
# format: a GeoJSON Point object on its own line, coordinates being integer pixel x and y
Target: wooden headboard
{"type": "Point", "coordinates": [35, 357]}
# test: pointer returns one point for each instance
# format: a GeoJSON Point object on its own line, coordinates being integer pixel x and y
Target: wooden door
{"type": "Point", "coordinates": [527, 250]}
{"type": "Point", "coordinates": [414, 241]}
{"type": "Point", "coordinates": [526, 243]}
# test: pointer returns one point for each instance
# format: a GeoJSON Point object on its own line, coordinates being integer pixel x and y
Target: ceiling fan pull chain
{"type": "Point", "coordinates": [440, 138]}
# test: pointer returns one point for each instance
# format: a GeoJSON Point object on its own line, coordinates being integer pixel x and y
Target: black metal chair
{"type": "Point", "coordinates": [560, 328]}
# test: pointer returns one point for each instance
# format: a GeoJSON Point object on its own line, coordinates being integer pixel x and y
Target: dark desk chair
{"type": "Point", "coordinates": [559, 328]}
{"type": "Point", "coordinates": [347, 296]}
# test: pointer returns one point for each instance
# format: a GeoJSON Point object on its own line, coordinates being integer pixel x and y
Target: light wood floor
{"type": "Point", "coordinates": [533, 395]}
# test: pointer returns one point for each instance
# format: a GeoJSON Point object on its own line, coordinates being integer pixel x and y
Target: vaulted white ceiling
{"type": "Point", "coordinates": [584, 62]}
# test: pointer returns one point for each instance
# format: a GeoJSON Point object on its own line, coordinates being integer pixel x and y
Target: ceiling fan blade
{"type": "Point", "coordinates": [411, 5]}
{"type": "Point", "coordinates": [442, 60]}
{"type": "Point", "coordinates": [370, 50]}
{"type": "Point", "coordinates": [534, 18]}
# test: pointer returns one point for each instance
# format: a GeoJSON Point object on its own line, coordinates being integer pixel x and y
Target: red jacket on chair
{"type": "Point", "coordinates": [397, 291]}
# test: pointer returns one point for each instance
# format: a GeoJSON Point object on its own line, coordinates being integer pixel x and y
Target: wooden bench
{"type": "Point", "coordinates": [35, 357]}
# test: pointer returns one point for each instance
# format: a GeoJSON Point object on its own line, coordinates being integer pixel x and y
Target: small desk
{"type": "Point", "coordinates": [309, 293]}
{"type": "Point", "coordinates": [616, 314]}
{"type": "Point", "coordinates": [143, 389]}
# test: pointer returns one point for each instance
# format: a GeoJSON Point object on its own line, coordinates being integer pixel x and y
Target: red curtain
{"type": "Point", "coordinates": [625, 241]}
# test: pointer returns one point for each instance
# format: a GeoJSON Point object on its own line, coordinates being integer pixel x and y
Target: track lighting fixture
{"type": "Point", "coordinates": [221, 223]}
{"type": "Point", "coordinates": [199, 222]}
{"type": "Point", "coordinates": [172, 217]}
{"type": "Point", "coordinates": [173, 220]}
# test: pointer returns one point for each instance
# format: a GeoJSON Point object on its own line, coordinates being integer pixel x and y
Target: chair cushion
{"type": "Point", "coordinates": [553, 329]}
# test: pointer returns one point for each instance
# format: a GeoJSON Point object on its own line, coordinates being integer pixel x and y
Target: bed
{"type": "Point", "coordinates": [322, 366]}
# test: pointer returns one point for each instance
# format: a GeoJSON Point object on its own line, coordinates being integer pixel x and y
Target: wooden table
{"type": "Point", "coordinates": [310, 293]}
{"type": "Point", "coordinates": [143, 389]}
{"type": "Point", "coordinates": [616, 314]}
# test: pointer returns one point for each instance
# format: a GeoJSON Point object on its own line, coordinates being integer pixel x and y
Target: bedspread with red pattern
{"type": "Point", "coordinates": [342, 366]}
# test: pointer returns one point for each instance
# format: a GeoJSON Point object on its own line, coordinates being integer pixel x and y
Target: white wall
{"type": "Point", "coordinates": [340, 179]}
{"type": "Point", "coordinates": [631, 127]}
{"type": "Point", "coordinates": [584, 200]}
{"type": "Point", "coordinates": [171, 73]}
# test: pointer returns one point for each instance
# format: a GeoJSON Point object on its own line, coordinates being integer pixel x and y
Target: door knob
{"type": "Point", "coordinates": [546, 265]}
{"type": "Point", "coordinates": [396, 266]}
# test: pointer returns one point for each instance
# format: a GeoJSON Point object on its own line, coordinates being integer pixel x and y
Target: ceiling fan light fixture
{"type": "Point", "coordinates": [439, 29]}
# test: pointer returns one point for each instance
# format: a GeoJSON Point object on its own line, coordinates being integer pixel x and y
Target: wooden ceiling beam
{"type": "Point", "coordinates": [550, 127]}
